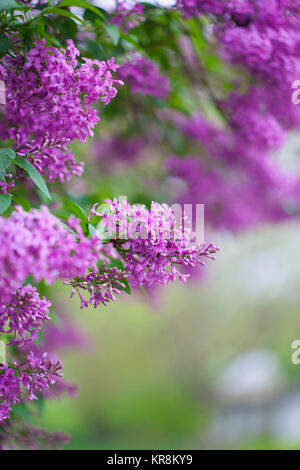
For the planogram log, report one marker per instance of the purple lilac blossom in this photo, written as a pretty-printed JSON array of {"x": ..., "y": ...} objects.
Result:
[
  {"x": 143, "y": 76},
  {"x": 36, "y": 243},
  {"x": 233, "y": 201},
  {"x": 51, "y": 94},
  {"x": 151, "y": 244},
  {"x": 26, "y": 380},
  {"x": 23, "y": 315}
]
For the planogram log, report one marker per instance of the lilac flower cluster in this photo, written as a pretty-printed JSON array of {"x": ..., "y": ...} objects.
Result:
[
  {"x": 26, "y": 380},
  {"x": 38, "y": 373},
  {"x": 10, "y": 388},
  {"x": 150, "y": 242},
  {"x": 264, "y": 37},
  {"x": 143, "y": 76},
  {"x": 243, "y": 185},
  {"x": 233, "y": 199},
  {"x": 23, "y": 315},
  {"x": 36, "y": 243},
  {"x": 51, "y": 94},
  {"x": 236, "y": 177}
]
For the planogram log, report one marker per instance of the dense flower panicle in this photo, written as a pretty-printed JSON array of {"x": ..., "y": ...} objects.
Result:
[
  {"x": 36, "y": 243},
  {"x": 150, "y": 243},
  {"x": 264, "y": 38},
  {"x": 237, "y": 148},
  {"x": 235, "y": 174},
  {"x": 143, "y": 76},
  {"x": 52, "y": 94},
  {"x": 24, "y": 381},
  {"x": 251, "y": 129},
  {"x": 38, "y": 373},
  {"x": 234, "y": 201},
  {"x": 101, "y": 286},
  {"x": 23, "y": 315},
  {"x": 4, "y": 411},
  {"x": 61, "y": 161},
  {"x": 127, "y": 15},
  {"x": 61, "y": 335}
]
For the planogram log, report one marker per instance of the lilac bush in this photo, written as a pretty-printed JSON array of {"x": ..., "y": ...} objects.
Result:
[{"x": 194, "y": 101}]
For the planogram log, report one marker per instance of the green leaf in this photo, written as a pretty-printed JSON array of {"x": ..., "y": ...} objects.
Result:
[
  {"x": 81, "y": 4},
  {"x": 21, "y": 410},
  {"x": 60, "y": 12},
  {"x": 22, "y": 201},
  {"x": 62, "y": 214},
  {"x": 8, "y": 151},
  {"x": 6, "y": 4},
  {"x": 130, "y": 39},
  {"x": 4, "y": 44},
  {"x": 94, "y": 48},
  {"x": 5, "y": 202},
  {"x": 75, "y": 209},
  {"x": 115, "y": 262},
  {"x": 113, "y": 32},
  {"x": 6, "y": 157},
  {"x": 127, "y": 286},
  {"x": 34, "y": 174},
  {"x": 52, "y": 40},
  {"x": 50, "y": 23}
]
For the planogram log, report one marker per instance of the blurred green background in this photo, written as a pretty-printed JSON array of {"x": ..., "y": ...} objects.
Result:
[{"x": 206, "y": 365}]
